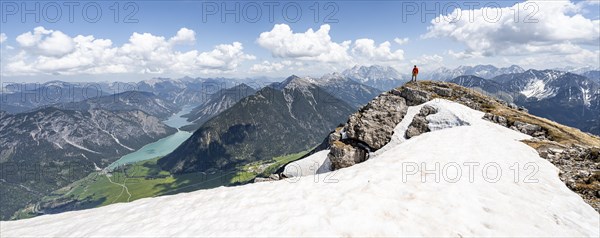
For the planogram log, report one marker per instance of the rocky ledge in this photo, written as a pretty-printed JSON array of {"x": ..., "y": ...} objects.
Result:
[{"x": 371, "y": 127}]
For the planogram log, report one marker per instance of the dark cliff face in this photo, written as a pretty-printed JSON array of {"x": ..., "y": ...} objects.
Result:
[{"x": 283, "y": 118}]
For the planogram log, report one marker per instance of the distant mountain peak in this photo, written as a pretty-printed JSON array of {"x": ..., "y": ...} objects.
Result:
[
  {"x": 295, "y": 82},
  {"x": 381, "y": 77},
  {"x": 332, "y": 76},
  {"x": 486, "y": 71},
  {"x": 242, "y": 85}
]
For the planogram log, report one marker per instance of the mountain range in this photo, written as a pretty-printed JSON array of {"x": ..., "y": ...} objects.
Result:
[
  {"x": 22, "y": 97},
  {"x": 348, "y": 90},
  {"x": 217, "y": 103},
  {"x": 483, "y": 71},
  {"x": 126, "y": 101},
  {"x": 68, "y": 145},
  {"x": 567, "y": 98},
  {"x": 381, "y": 77},
  {"x": 286, "y": 117}
]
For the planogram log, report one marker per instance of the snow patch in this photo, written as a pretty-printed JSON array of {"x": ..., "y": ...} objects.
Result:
[
  {"x": 535, "y": 88},
  {"x": 449, "y": 114},
  {"x": 587, "y": 97},
  {"x": 373, "y": 198},
  {"x": 316, "y": 163},
  {"x": 79, "y": 146}
]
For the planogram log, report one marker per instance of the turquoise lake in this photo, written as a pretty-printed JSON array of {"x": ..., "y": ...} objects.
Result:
[{"x": 160, "y": 147}]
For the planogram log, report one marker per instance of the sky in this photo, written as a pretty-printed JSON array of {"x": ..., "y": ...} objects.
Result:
[{"x": 136, "y": 40}]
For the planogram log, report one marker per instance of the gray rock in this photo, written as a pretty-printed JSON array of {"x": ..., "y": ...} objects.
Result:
[
  {"x": 374, "y": 124},
  {"x": 444, "y": 92},
  {"x": 523, "y": 109},
  {"x": 427, "y": 110},
  {"x": 413, "y": 96},
  {"x": 576, "y": 167},
  {"x": 500, "y": 120},
  {"x": 342, "y": 155},
  {"x": 335, "y": 135},
  {"x": 369, "y": 129},
  {"x": 529, "y": 129},
  {"x": 274, "y": 177},
  {"x": 419, "y": 125}
]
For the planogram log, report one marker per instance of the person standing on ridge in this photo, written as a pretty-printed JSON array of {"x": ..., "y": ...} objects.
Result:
[{"x": 414, "y": 74}]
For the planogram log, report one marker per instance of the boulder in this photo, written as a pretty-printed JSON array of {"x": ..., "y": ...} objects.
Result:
[
  {"x": 335, "y": 135},
  {"x": 420, "y": 125},
  {"x": 500, "y": 120},
  {"x": 444, "y": 92},
  {"x": 529, "y": 129},
  {"x": 274, "y": 177},
  {"x": 523, "y": 109},
  {"x": 344, "y": 155},
  {"x": 374, "y": 124},
  {"x": 413, "y": 96}
]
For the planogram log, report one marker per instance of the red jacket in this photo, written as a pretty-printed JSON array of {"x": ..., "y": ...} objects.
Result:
[{"x": 415, "y": 70}]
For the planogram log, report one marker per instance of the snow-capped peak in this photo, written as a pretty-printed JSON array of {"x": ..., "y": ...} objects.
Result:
[
  {"x": 483, "y": 71},
  {"x": 536, "y": 83},
  {"x": 153, "y": 81},
  {"x": 373, "y": 72}
]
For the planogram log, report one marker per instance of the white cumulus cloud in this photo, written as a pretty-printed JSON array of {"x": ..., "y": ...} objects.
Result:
[
  {"x": 53, "y": 52},
  {"x": 184, "y": 36},
  {"x": 366, "y": 49},
  {"x": 316, "y": 47},
  {"x": 401, "y": 41},
  {"x": 267, "y": 67},
  {"x": 430, "y": 61},
  {"x": 46, "y": 42},
  {"x": 282, "y": 42},
  {"x": 529, "y": 27}
]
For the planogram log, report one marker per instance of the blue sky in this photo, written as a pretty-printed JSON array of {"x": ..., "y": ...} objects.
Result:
[{"x": 558, "y": 34}]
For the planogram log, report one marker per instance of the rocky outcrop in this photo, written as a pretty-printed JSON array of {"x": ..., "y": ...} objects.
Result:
[
  {"x": 419, "y": 125},
  {"x": 374, "y": 124},
  {"x": 578, "y": 167},
  {"x": 443, "y": 91},
  {"x": 344, "y": 155},
  {"x": 412, "y": 96},
  {"x": 500, "y": 120},
  {"x": 529, "y": 129},
  {"x": 367, "y": 130},
  {"x": 523, "y": 127}
]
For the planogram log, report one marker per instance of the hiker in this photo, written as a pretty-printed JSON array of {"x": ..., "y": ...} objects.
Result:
[{"x": 414, "y": 74}]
